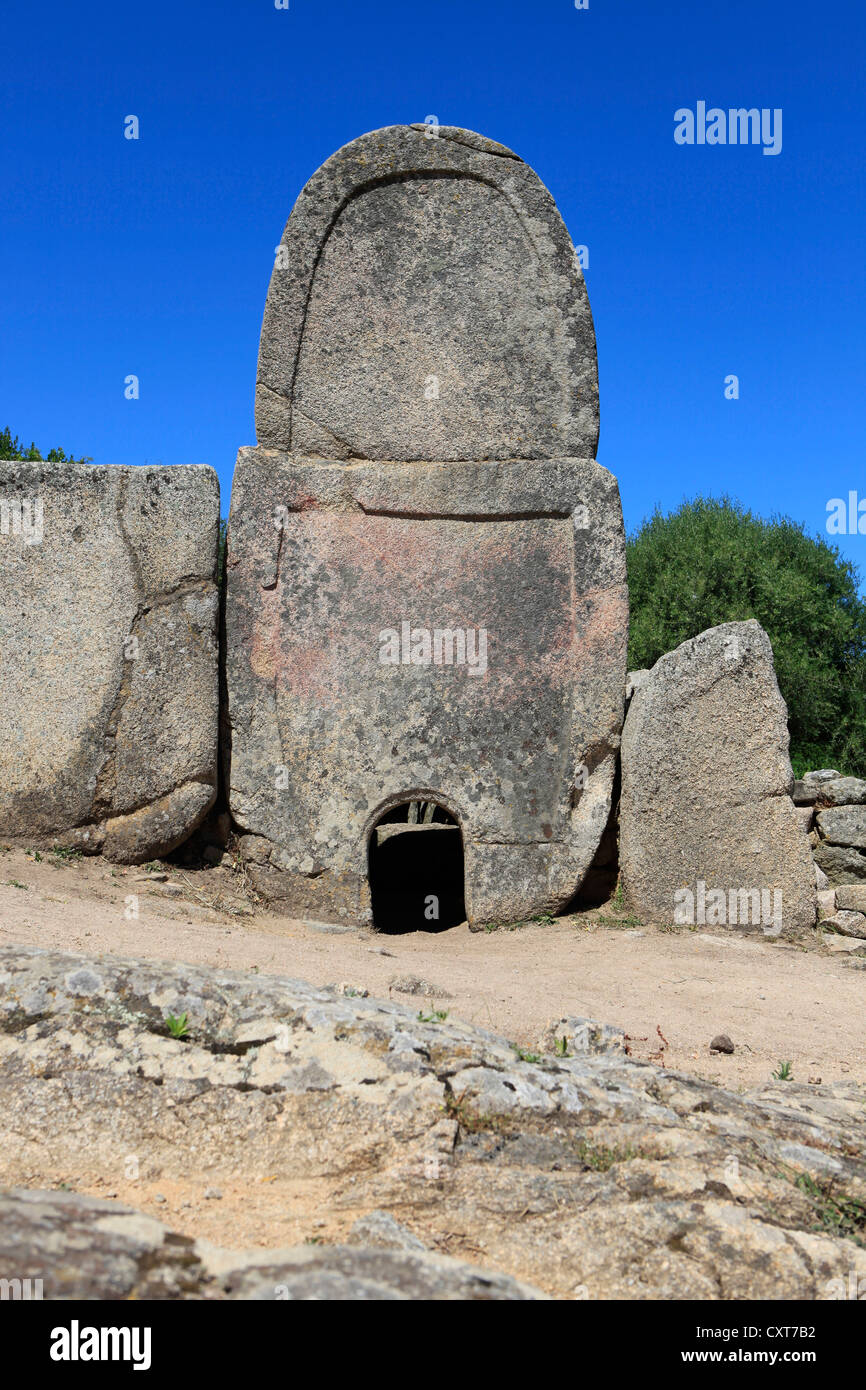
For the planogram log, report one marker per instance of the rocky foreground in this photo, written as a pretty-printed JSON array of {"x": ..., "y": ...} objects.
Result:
[{"x": 578, "y": 1174}]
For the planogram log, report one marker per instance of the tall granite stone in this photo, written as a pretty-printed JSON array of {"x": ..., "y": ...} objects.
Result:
[
  {"x": 108, "y": 655},
  {"x": 426, "y": 570},
  {"x": 709, "y": 835}
]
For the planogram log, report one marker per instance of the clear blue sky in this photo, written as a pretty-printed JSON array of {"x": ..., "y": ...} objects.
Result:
[{"x": 153, "y": 257}]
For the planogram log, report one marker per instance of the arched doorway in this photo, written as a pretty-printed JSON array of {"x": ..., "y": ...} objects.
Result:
[{"x": 415, "y": 866}]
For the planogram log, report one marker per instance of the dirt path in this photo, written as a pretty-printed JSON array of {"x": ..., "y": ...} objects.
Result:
[{"x": 776, "y": 1001}]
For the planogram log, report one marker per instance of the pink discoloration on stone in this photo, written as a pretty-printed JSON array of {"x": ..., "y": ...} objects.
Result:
[
  {"x": 504, "y": 748},
  {"x": 265, "y": 649},
  {"x": 355, "y": 575}
]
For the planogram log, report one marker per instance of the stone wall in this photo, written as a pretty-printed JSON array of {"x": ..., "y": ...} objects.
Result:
[{"x": 833, "y": 811}]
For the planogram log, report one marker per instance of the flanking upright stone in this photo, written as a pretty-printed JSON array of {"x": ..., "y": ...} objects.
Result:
[
  {"x": 426, "y": 566},
  {"x": 709, "y": 835},
  {"x": 108, "y": 655}
]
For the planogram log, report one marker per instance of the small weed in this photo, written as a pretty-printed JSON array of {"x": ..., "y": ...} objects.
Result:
[
  {"x": 600, "y": 1158},
  {"x": 67, "y": 854},
  {"x": 784, "y": 1072},
  {"x": 34, "y": 854},
  {"x": 629, "y": 921},
  {"x": 618, "y": 898},
  {"x": 314, "y": 1240},
  {"x": 525, "y": 1056},
  {"x": 13, "y": 883},
  {"x": 544, "y": 919},
  {"x": 177, "y": 1027},
  {"x": 436, "y": 1016},
  {"x": 839, "y": 1216},
  {"x": 561, "y": 1047}
]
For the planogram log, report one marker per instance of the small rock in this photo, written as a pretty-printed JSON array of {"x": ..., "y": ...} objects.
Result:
[
  {"x": 822, "y": 882},
  {"x": 633, "y": 682},
  {"x": 844, "y": 791},
  {"x": 721, "y": 1043},
  {"x": 413, "y": 984},
  {"x": 213, "y": 854},
  {"x": 852, "y": 896},
  {"x": 379, "y": 1229},
  {"x": 844, "y": 825},
  {"x": 254, "y": 849},
  {"x": 353, "y": 991},
  {"x": 213, "y": 1194},
  {"x": 150, "y": 878},
  {"x": 158, "y": 1197},
  {"x": 804, "y": 793},
  {"x": 582, "y": 1035},
  {"x": 822, "y": 774},
  {"x": 847, "y": 924},
  {"x": 826, "y": 903},
  {"x": 171, "y": 890},
  {"x": 845, "y": 944}
]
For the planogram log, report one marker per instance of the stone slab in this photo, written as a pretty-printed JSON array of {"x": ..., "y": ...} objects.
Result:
[
  {"x": 426, "y": 303},
  {"x": 326, "y": 738},
  {"x": 108, "y": 656},
  {"x": 706, "y": 783}
]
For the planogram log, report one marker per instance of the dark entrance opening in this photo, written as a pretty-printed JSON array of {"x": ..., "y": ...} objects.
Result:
[{"x": 416, "y": 869}]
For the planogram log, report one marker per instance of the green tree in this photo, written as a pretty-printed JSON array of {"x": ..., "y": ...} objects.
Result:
[
  {"x": 713, "y": 562},
  {"x": 11, "y": 447}
]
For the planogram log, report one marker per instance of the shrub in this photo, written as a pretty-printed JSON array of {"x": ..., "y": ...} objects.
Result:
[{"x": 713, "y": 562}]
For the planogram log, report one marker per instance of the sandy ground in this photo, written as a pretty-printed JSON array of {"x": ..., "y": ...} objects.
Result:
[{"x": 776, "y": 1001}]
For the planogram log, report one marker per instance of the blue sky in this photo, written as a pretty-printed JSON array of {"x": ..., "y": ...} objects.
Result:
[{"x": 153, "y": 256}]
